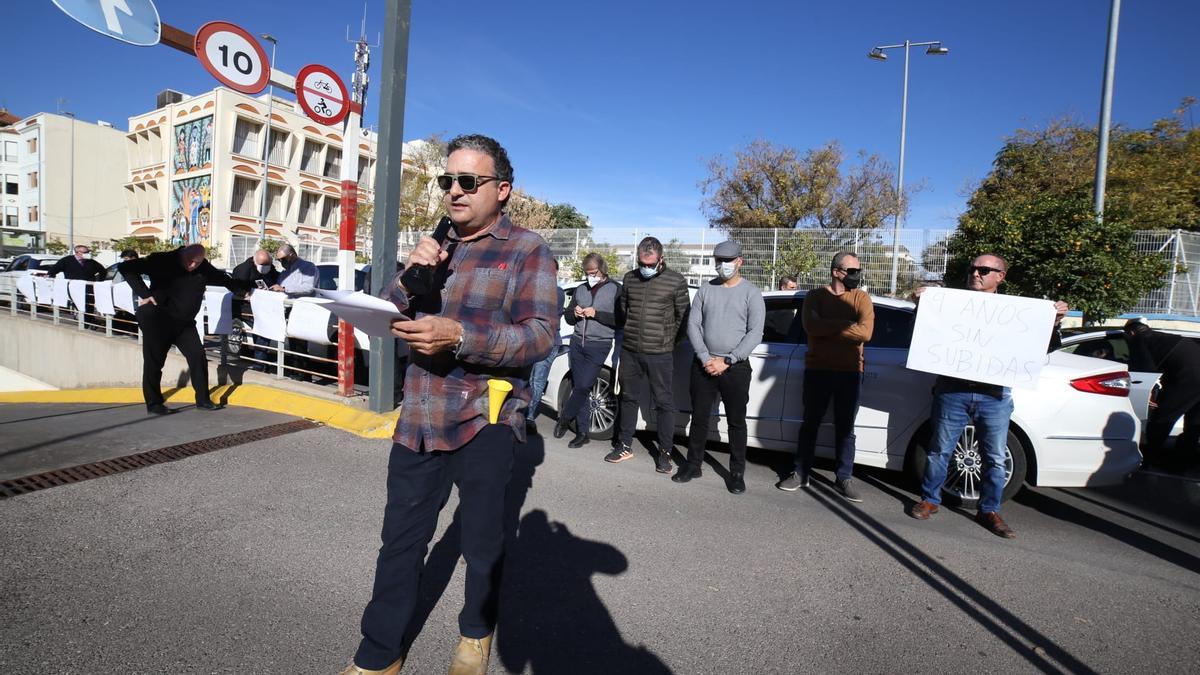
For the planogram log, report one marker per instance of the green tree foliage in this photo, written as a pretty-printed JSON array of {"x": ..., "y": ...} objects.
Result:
[
  {"x": 566, "y": 217},
  {"x": 781, "y": 187},
  {"x": 575, "y": 266},
  {"x": 528, "y": 212},
  {"x": 1057, "y": 250},
  {"x": 143, "y": 245},
  {"x": 794, "y": 257},
  {"x": 1154, "y": 172},
  {"x": 57, "y": 246},
  {"x": 421, "y": 204}
]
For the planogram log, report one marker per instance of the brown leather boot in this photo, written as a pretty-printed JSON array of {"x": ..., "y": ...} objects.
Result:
[
  {"x": 994, "y": 524},
  {"x": 922, "y": 510},
  {"x": 471, "y": 656},
  {"x": 390, "y": 670}
]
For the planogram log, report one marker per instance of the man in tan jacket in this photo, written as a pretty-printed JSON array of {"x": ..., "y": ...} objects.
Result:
[{"x": 839, "y": 319}]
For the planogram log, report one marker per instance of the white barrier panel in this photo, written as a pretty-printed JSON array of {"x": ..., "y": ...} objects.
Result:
[
  {"x": 372, "y": 315},
  {"x": 122, "y": 296},
  {"x": 310, "y": 321},
  {"x": 44, "y": 290},
  {"x": 267, "y": 307},
  {"x": 983, "y": 337},
  {"x": 59, "y": 291},
  {"x": 104, "y": 298},
  {"x": 77, "y": 288},
  {"x": 25, "y": 285},
  {"x": 218, "y": 304}
]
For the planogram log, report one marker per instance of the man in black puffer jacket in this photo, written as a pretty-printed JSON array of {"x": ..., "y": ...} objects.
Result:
[{"x": 653, "y": 306}]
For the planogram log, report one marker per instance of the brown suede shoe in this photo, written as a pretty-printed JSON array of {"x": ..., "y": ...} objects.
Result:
[
  {"x": 994, "y": 524},
  {"x": 922, "y": 510},
  {"x": 471, "y": 656},
  {"x": 390, "y": 670}
]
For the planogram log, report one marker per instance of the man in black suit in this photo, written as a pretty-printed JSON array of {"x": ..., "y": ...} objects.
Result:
[
  {"x": 166, "y": 314},
  {"x": 78, "y": 266}
]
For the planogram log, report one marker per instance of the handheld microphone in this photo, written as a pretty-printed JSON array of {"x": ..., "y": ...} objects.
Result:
[{"x": 418, "y": 279}]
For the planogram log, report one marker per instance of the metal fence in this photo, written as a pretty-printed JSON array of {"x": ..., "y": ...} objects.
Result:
[{"x": 771, "y": 253}]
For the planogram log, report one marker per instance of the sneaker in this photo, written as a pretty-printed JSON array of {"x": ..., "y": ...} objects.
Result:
[
  {"x": 662, "y": 463},
  {"x": 849, "y": 492},
  {"x": 619, "y": 454},
  {"x": 793, "y": 482}
]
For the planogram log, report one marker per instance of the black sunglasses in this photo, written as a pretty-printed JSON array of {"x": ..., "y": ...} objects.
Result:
[
  {"x": 983, "y": 270},
  {"x": 469, "y": 182},
  {"x": 850, "y": 270}
]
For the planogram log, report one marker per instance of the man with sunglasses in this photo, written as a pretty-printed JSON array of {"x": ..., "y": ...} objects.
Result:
[
  {"x": 486, "y": 313},
  {"x": 957, "y": 403},
  {"x": 839, "y": 319}
]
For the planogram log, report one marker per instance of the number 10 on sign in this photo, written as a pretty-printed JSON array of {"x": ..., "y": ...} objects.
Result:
[{"x": 232, "y": 56}]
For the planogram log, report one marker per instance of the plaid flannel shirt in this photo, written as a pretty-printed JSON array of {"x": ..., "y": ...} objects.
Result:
[{"x": 502, "y": 288}]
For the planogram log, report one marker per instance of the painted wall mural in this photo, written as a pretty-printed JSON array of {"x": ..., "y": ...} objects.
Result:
[
  {"x": 193, "y": 145},
  {"x": 191, "y": 211}
]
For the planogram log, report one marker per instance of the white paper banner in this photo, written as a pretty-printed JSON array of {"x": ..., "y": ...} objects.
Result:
[
  {"x": 44, "y": 290},
  {"x": 218, "y": 303},
  {"x": 25, "y": 285},
  {"x": 104, "y": 298},
  {"x": 310, "y": 321},
  {"x": 372, "y": 315},
  {"x": 122, "y": 296},
  {"x": 77, "y": 288},
  {"x": 200, "y": 322},
  {"x": 982, "y": 337},
  {"x": 60, "y": 291},
  {"x": 267, "y": 307}
]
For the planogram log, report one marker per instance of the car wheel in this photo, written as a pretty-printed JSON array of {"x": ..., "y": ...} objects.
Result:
[
  {"x": 602, "y": 404},
  {"x": 964, "y": 471}
]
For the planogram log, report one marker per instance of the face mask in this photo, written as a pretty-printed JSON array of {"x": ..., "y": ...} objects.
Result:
[
  {"x": 285, "y": 262},
  {"x": 593, "y": 279},
  {"x": 263, "y": 269},
  {"x": 726, "y": 270},
  {"x": 647, "y": 272},
  {"x": 85, "y": 256},
  {"x": 851, "y": 281}
]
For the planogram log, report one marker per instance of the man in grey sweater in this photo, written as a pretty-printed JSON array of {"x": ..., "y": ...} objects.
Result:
[{"x": 725, "y": 324}]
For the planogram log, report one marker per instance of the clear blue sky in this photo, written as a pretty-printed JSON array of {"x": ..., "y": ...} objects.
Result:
[{"x": 615, "y": 106}]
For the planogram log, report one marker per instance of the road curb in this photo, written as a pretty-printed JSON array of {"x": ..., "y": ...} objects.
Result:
[{"x": 346, "y": 418}]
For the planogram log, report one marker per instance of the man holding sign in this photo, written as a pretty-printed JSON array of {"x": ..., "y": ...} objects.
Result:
[{"x": 969, "y": 341}]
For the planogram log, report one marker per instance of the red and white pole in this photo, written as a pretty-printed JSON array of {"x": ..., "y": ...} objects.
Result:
[{"x": 347, "y": 244}]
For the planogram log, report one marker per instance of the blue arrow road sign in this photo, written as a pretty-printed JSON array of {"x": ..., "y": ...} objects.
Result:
[{"x": 132, "y": 21}]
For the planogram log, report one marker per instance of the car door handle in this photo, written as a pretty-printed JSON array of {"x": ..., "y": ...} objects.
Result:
[
  {"x": 765, "y": 356},
  {"x": 1135, "y": 381}
]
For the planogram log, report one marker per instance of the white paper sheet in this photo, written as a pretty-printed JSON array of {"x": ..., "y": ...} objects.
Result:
[
  {"x": 982, "y": 337},
  {"x": 371, "y": 315},
  {"x": 77, "y": 288},
  {"x": 218, "y": 304},
  {"x": 310, "y": 320},
  {"x": 122, "y": 296},
  {"x": 43, "y": 290},
  {"x": 267, "y": 307},
  {"x": 25, "y": 285},
  {"x": 104, "y": 298},
  {"x": 60, "y": 292}
]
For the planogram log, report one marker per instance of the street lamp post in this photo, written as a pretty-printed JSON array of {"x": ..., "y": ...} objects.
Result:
[
  {"x": 262, "y": 216},
  {"x": 1110, "y": 63},
  {"x": 71, "y": 189},
  {"x": 934, "y": 48}
]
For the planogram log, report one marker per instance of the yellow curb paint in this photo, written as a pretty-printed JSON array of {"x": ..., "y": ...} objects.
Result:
[{"x": 362, "y": 423}]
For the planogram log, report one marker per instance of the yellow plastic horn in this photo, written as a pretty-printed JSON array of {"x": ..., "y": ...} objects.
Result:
[{"x": 498, "y": 390}]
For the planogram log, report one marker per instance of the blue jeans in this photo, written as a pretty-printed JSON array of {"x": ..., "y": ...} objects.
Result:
[
  {"x": 537, "y": 382},
  {"x": 952, "y": 412}
]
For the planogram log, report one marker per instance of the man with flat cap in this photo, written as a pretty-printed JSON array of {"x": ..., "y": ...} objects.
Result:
[
  {"x": 166, "y": 314},
  {"x": 724, "y": 325}
]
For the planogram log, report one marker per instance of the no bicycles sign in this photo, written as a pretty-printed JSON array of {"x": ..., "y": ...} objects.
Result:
[
  {"x": 233, "y": 56},
  {"x": 321, "y": 94}
]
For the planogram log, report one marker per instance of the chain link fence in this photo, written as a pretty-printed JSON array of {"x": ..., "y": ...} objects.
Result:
[{"x": 920, "y": 257}]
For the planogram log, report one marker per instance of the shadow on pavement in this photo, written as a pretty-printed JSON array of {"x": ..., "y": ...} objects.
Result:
[
  {"x": 67, "y": 414},
  {"x": 88, "y": 432},
  {"x": 1025, "y": 640}
]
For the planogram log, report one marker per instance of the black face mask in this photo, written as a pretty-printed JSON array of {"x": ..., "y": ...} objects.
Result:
[
  {"x": 286, "y": 262},
  {"x": 851, "y": 281}
]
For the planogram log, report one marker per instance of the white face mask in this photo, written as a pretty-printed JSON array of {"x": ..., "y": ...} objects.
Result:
[
  {"x": 726, "y": 270},
  {"x": 647, "y": 272},
  {"x": 593, "y": 279},
  {"x": 85, "y": 256},
  {"x": 263, "y": 269}
]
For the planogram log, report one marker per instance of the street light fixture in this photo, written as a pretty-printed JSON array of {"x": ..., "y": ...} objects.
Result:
[
  {"x": 262, "y": 216},
  {"x": 934, "y": 48}
]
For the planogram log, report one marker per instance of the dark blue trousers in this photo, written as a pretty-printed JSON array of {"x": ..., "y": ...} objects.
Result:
[
  {"x": 586, "y": 359},
  {"x": 418, "y": 485},
  {"x": 821, "y": 387}
]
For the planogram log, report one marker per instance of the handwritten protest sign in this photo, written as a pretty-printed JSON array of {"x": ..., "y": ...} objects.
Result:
[{"x": 983, "y": 337}]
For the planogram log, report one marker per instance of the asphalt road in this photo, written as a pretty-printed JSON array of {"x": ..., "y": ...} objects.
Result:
[{"x": 259, "y": 559}]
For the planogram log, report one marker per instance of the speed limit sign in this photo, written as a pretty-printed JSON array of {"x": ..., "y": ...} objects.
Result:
[{"x": 233, "y": 56}]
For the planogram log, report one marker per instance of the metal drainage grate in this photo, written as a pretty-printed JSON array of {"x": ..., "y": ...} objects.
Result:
[{"x": 108, "y": 467}]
